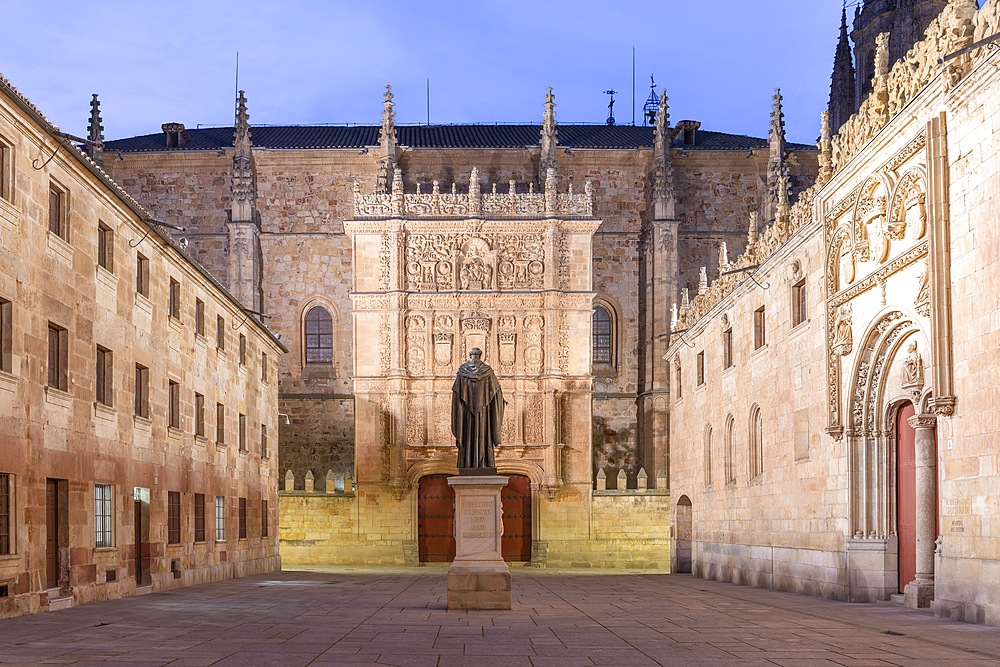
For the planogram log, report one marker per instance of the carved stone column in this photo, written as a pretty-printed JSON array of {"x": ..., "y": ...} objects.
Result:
[{"x": 920, "y": 591}]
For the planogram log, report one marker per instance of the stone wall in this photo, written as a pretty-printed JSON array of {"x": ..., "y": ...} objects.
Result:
[{"x": 65, "y": 434}]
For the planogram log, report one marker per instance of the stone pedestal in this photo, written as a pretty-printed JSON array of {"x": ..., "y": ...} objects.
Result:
[{"x": 478, "y": 578}]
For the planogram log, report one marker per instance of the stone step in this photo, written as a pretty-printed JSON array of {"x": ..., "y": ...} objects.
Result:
[
  {"x": 57, "y": 601},
  {"x": 144, "y": 590},
  {"x": 896, "y": 599}
]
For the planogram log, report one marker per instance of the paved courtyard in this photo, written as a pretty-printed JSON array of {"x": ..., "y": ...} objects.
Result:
[{"x": 354, "y": 616}]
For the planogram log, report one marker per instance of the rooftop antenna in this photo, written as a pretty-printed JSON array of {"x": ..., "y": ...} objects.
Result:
[
  {"x": 236, "y": 97},
  {"x": 652, "y": 105},
  {"x": 633, "y": 86},
  {"x": 428, "y": 100},
  {"x": 611, "y": 106}
]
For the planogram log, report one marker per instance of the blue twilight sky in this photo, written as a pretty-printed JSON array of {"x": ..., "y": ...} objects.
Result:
[{"x": 306, "y": 62}]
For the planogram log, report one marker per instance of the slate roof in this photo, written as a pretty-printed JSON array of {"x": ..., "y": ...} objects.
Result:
[{"x": 436, "y": 136}]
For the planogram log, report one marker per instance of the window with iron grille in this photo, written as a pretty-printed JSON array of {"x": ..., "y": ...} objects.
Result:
[
  {"x": 58, "y": 356},
  {"x": 6, "y": 493},
  {"x": 263, "y": 366},
  {"x": 220, "y": 518},
  {"x": 319, "y": 336},
  {"x": 243, "y": 350},
  {"x": 263, "y": 441},
  {"x": 105, "y": 376},
  {"x": 263, "y": 518},
  {"x": 199, "y": 517},
  {"x": 243, "y": 518},
  {"x": 105, "y": 247},
  {"x": 243, "y": 432},
  {"x": 603, "y": 338},
  {"x": 103, "y": 504},
  {"x": 173, "y": 517}
]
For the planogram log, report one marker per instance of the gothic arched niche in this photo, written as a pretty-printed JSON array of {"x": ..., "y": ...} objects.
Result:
[
  {"x": 907, "y": 209},
  {"x": 871, "y": 240},
  {"x": 840, "y": 261}
]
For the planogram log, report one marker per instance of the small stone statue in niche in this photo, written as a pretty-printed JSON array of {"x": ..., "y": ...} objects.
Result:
[
  {"x": 913, "y": 367},
  {"x": 843, "y": 339},
  {"x": 476, "y": 415}
]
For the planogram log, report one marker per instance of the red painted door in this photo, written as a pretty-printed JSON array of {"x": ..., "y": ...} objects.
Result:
[
  {"x": 436, "y": 519},
  {"x": 516, "y": 498},
  {"x": 906, "y": 496}
]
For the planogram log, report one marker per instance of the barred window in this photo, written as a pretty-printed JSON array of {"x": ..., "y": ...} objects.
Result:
[
  {"x": 603, "y": 337},
  {"x": 102, "y": 515},
  {"x": 199, "y": 517},
  {"x": 319, "y": 336},
  {"x": 5, "y": 511},
  {"x": 173, "y": 517},
  {"x": 243, "y": 518},
  {"x": 220, "y": 518},
  {"x": 263, "y": 519}
]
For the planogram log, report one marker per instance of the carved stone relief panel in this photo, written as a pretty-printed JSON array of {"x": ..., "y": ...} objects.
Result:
[
  {"x": 443, "y": 344},
  {"x": 415, "y": 420},
  {"x": 476, "y": 333},
  {"x": 534, "y": 355},
  {"x": 533, "y": 418},
  {"x": 416, "y": 344}
]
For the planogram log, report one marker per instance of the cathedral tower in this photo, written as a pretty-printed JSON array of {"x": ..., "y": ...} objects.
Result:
[{"x": 904, "y": 20}]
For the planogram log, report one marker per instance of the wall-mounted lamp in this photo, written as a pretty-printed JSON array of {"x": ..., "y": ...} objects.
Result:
[{"x": 285, "y": 415}]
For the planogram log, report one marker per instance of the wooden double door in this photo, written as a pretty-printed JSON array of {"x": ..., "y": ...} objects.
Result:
[{"x": 436, "y": 519}]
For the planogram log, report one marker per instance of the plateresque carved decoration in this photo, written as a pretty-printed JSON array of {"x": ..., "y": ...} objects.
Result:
[
  {"x": 913, "y": 372},
  {"x": 843, "y": 338}
]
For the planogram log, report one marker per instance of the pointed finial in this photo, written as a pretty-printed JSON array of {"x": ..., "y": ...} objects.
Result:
[
  {"x": 825, "y": 146},
  {"x": 685, "y": 300},
  {"x": 549, "y": 138},
  {"x": 777, "y": 133},
  {"x": 95, "y": 132},
  {"x": 702, "y": 281},
  {"x": 241, "y": 137},
  {"x": 387, "y": 132},
  {"x": 752, "y": 231},
  {"x": 723, "y": 258},
  {"x": 673, "y": 316}
]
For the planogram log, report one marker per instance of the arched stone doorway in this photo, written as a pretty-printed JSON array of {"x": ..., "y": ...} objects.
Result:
[
  {"x": 436, "y": 519},
  {"x": 683, "y": 531}
]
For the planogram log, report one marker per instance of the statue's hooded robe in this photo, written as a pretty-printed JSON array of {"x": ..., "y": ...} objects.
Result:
[{"x": 476, "y": 415}]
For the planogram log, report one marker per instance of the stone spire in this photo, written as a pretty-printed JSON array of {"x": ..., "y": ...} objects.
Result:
[
  {"x": 663, "y": 170},
  {"x": 244, "y": 175},
  {"x": 95, "y": 132},
  {"x": 777, "y": 177},
  {"x": 245, "y": 269},
  {"x": 842, "y": 85},
  {"x": 549, "y": 139},
  {"x": 387, "y": 144}
]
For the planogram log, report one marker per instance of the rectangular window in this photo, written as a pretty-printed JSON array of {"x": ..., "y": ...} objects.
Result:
[
  {"x": 6, "y": 336},
  {"x": 6, "y": 171},
  {"x": 6, "y": 494},
  {"x": 199, "y": 517},
  {"x": 102, "y": 516},
  {"x": 799, "y": 303},
  {"x": 220, "y": 333},
  {"x": 263, "y": 518},
  {"x": 175, "y": 299},
  {"x": 759, "y": 333},
  {"x": 57, "y": 212},
  {"x": 263, "y": 441},
  {"x": 199, "y": 317},
  {"x": 173, "y": 517},
  {"x": 263, "y": 366},
  {"x": 142, "y": 274},
  {"x": 243, "y": 350},
  {"x": 243, "y": 432},
  {"x": 58, "y": 356},
  {"x": 727, "y": 348},
  {"x": 243, "y": 518},
  {"x": 174, "y": 407},
  {"x": 141, "y": 391},
  {"x": 199, "y": 415},
  {"x": 701, "y": 368},
  {"x": 220, "y": 518},
  {"x": 677, "y": 379},
  {"x": 220, "y": 424},
  {"x": 105, "y": 375},
  {"x": 105, "y": 247}
]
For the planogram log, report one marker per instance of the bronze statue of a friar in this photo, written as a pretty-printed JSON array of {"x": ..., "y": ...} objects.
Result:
[{"x": 476, "y": 415}]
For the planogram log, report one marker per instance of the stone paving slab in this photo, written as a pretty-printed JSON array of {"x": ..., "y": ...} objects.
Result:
[{"x": 359, "y": 616}]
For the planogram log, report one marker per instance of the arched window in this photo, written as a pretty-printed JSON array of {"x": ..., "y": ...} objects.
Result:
[
  {"x": 730, "y": 450},
  {"x": 319, "y": 336},
  {"x": 756, "y": 442},
  {"x": 603, "y": 336}
]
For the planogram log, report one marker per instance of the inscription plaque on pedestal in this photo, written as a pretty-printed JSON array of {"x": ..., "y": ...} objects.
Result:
[{"x": 478, "y": 578}]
